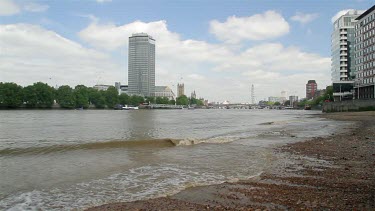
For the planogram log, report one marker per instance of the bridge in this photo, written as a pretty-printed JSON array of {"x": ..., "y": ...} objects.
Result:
[{"x": 163, "y": 106}]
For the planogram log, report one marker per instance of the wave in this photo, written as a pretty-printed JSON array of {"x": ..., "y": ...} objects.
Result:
[
  {"x": 152, "y": 143},
  {"x": 214, "y": 140}
]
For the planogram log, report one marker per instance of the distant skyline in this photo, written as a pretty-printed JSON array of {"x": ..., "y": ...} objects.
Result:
[{"x": 218, "y": 48}]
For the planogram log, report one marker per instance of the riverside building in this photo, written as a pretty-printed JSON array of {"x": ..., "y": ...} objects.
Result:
[
  {"x": 180, "y": 90},
  {"x": 365, "y": 55},
  {"x": 311, "y": 88},
  {"x": 342, "y": 47},
  {"x": 141, "y": 65},
  {"x": 164, "y": 91}
]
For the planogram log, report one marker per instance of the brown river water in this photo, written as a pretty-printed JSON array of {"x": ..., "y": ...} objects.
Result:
[{"x": 66, "y": 159}]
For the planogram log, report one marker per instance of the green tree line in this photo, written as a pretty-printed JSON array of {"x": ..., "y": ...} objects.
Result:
[{"x": 41, "y": 95}]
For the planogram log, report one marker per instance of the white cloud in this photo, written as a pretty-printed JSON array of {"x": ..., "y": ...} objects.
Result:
[
  {"x": 304, "y": 18},
  {"x": 216, "y": 71},
  {"x": 257, "y": 27},
  {"x": 8, "y": 7},
  {"x": 30, "y": 53},
  {"x": 343, "y": 12}
]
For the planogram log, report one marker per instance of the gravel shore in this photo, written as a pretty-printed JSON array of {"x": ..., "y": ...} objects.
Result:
[{"x": 330, "y": 173}]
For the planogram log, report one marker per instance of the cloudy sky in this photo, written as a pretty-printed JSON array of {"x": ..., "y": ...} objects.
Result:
[{"x": 217, "y": 48}]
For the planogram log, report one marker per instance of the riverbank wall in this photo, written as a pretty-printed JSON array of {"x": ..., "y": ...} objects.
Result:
[{"x": 350, "y": 105}]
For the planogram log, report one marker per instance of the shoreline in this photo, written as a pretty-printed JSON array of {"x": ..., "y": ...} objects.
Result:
[{"x": 334, "y": 172}]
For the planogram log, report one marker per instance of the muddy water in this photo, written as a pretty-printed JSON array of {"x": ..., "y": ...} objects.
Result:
[{"x": 76, "y": 159}]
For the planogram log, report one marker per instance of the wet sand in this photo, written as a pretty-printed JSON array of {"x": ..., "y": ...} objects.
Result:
[{"x": 331, "y": 173}]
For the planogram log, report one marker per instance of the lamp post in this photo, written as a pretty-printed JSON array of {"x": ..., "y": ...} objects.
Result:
[
  {"x": 358, "y": 90},
  {"x": 340, "y": 93}
]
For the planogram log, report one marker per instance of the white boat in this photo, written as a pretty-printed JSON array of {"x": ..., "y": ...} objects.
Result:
[{"x": 126, "y": 107}]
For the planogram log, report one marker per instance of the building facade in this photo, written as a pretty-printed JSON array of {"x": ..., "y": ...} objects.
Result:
[
  {"x": 342, "y": 47},
  {"x": 274, "y": 99},
  {"x": 141, "y": 65},
  {"x": 365, "y": 55},
  {"x": 311, "y": 88},
  {"x": 193, "y": 95},
  {"x": 101, "y": 87},
  {"x": 293, "y": 101},
  {"x": 164, "y": 91},
  {"x": 180, "y": 90}
]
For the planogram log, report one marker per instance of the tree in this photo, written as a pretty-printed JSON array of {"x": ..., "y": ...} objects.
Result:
[
  {"x": 172, "y": 102},
  {"x": 302, "y": 103},
  {"x": 270, "y": 103},
  {"x": 81, "y": 94},
  {"x": 162, "y": 100},
  {"x": 136, "y": 100},
  {"x": 10, "y": 95},
  {"x": 111, "y": 96},
  {"x": 194, "y": 101},
  {"x": 150, "y": 99},
  {"x": 65, "y": 97},
  {"x": 39, "y": 95},
  {"x": 276, "y": 103},
  {"x": 328, "y": 95},
  {"x": 287, "y": 103},
  {"x": 97, "y": 98},
  {"x": 124, "y": 99},
  {"x": 182, "y": 100}
]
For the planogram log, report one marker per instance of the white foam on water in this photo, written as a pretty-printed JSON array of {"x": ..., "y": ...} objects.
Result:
[
  {"x": 214, "y": 140},
  {"x": 136, "y": 184}
]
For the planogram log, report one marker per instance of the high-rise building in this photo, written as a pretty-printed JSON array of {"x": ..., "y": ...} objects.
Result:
[
  {"x": 365, "y": 55},
  {"x": 342, "y": 47},
  {"x": 311, "y": 88},
  {"x": 141, "y": 65},
  {"x": 180, "y": 90}
]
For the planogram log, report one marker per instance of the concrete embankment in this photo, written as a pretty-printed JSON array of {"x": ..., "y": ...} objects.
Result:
[{"x": 350, "y": 105}]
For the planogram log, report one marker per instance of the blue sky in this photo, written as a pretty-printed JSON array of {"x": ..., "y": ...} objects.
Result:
[{"x": 218, "y": 48}]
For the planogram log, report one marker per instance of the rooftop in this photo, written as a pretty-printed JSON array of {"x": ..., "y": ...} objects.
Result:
[
  {"x": 141, "y": 34},
  {"x": 366, "y": 13}
]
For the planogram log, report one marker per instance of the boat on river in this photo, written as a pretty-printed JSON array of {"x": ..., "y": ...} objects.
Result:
[
  {"x": 126, "y": 107},
  {"x": 307, "y": 107}
]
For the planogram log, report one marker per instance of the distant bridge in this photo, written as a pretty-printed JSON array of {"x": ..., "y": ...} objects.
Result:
[
  {"x": 164, "y": 106},
  {"x": 232, "y": 106}
]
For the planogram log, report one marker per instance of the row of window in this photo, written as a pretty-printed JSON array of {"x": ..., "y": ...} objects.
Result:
[
  {"x": 365, "y": 74},
  {"x": 368, "y": 34},
  {"x": 367, "y": 81},
  {"x": 365, "y": 66},
  {"x": 363, "y": 29},
  {"x": 365, "y": 43},
  {"x": 368, "y": 19},
  {"x": 365, "y": 59},
  {"x": 369, "y": 52}
]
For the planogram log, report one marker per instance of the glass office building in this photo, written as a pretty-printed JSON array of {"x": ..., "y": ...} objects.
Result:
[
  {"x": 342, "y": 47},
  {"x": 141, "y": 65}
]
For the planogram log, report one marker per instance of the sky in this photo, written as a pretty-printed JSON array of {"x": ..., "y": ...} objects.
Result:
[{"x": 217, "y": 48}]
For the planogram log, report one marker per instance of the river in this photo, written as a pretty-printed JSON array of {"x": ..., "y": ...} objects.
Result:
[{"x": 66, "y": 159}]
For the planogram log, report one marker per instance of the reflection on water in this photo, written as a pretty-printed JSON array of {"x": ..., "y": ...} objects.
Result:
[{"x": 74, "y": 159}]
